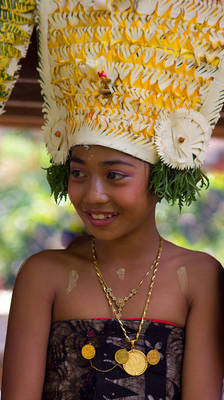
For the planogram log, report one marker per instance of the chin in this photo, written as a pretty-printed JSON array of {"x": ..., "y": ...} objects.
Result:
[
  {"x": 107, "y": 236},
  {"x": 110, "y": 234}
]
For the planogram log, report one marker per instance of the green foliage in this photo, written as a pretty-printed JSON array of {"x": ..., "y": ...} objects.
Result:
[
  {"x": 57, "y": 176},
  {"x": 177, "y": 186}
]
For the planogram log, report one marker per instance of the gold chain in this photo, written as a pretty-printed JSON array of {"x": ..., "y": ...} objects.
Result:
[
  {"x": 119, "y": 302},
  {"x": 152, "y": 281},
  {"x": 105, "y": 370}
]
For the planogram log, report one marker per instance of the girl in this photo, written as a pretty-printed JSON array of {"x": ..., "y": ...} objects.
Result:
[
  {"x": 122, "y": 313},
  {"x": 58, "y": 291}
]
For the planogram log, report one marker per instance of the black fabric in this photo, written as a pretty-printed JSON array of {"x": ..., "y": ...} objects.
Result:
[{"x": 70, "y": 377}]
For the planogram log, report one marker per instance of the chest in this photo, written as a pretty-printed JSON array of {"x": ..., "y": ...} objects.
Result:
[{"x": 81, "y": 296}]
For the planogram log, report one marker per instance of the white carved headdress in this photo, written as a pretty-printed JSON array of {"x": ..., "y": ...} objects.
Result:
[{"x": 143, "y": 77}]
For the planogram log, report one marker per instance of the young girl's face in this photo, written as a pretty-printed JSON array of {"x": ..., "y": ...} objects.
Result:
[{"x": 109, "y": 191}]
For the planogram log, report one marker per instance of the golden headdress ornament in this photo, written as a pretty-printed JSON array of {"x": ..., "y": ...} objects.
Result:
[{"x": 143, "y": 77}]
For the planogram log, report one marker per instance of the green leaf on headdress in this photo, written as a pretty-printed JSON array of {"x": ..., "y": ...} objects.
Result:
[
  {"x": 57, "y": 176},
  {"x": 181, "y": 186}
]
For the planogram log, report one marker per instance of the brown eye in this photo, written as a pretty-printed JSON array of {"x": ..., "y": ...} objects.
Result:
[
  {"x": 115, "y": 176},
  {"x": 77, "y": 173}
]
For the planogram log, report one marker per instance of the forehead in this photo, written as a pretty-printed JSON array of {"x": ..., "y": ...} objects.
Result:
[{"x": 102, "y": 154}]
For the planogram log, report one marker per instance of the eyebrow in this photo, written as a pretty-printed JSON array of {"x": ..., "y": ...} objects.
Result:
[
  {"x": 103, "y": 163},
  {"x": 76, "y": 159},
  {"x": 113, "y": 162}
]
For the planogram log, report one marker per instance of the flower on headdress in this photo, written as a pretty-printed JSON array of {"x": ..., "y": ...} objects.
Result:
[
  {"x": 102, "y": 5},
  {"x": 98, "y": 69},
  {"x": 181, "y": 138}
]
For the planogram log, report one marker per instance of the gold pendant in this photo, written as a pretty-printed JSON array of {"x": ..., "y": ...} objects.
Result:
[
  {"x": 153, "y": 357},
  {"x": 136, "y": 364},
  {"x": 121, "y": 356},
  {"x": 88, "y": 351}
]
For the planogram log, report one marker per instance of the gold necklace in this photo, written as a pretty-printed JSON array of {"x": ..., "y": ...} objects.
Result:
[
  {"x": 134, "y": 362},
  {"x": 118, "y": 302}
]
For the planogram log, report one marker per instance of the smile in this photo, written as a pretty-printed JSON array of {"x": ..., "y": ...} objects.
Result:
[{"x": 101, "y": 218}]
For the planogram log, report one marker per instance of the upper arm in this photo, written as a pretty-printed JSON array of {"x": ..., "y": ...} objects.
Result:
[
  {"x": 28, "y": 330},
  {"x": 203, "y": 360}
]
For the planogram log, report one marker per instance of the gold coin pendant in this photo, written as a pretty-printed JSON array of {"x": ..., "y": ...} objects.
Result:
[
  {"x": 153, "y": 357},
  {"x": 88, "y": 351},
  {"x": 136, "y": 364},
  {"x": 121, "y": 356}
]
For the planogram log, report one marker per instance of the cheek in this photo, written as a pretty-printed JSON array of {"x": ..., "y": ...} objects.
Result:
[
  {"x": 74, "y": 192},
  {"x": 135, "y": 195},
  {"x": 140, "y": 197}
]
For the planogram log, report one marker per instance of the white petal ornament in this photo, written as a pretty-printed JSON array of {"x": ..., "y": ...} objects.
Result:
[
  {"x": 181, "y": 138},
  {"x": 104, "y": 5},
  {"x": 146, "y": 6},
  {"x": 89, "y": 68}
]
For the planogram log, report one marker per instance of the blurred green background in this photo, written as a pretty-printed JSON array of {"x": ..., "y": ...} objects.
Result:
[{"x": 30, "y": 220}]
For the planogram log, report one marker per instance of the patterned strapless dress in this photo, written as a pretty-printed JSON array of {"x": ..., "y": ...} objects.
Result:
[{"x": 70, "y": 377}]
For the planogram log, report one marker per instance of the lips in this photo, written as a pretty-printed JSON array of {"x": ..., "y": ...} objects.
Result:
[{"x": 101, "y": 218}]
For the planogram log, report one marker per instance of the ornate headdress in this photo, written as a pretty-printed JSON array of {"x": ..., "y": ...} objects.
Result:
[{"x": 143, "y": 77}]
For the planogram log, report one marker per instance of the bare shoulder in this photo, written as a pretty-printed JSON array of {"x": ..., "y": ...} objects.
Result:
[
  {"x": 41, "y": 267},
  {"x": 39, "y": 283},
  {"x": 206, "y": 277},
  {"x": 195, "y": 261},
  {"x": 47, "y": 267},
  {"x": 204, "y": 272},
  {"x": 48, "y": 270}
]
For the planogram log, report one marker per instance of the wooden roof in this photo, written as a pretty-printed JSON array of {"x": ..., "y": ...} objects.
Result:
[{"x": 23, "y": 109}]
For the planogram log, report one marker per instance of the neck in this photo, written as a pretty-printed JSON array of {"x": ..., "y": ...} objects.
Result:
[{"x": 136, "y": 248}]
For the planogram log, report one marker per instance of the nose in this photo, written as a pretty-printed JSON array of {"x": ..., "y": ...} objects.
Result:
[{"x": 95, "y": 192}]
